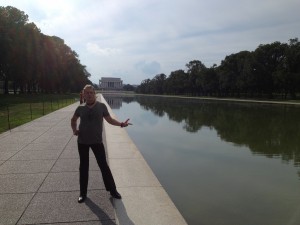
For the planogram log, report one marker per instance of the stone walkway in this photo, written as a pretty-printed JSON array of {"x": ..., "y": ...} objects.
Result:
[
  {"x": 39, "y": 184},
  {"x": 39, "y": 176}
]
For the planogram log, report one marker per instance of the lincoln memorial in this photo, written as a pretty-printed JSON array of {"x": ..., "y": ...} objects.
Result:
[{"x": 110, "y": 83}]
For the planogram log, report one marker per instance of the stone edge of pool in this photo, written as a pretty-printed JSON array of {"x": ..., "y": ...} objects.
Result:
[{"x": 144, "y": 200}]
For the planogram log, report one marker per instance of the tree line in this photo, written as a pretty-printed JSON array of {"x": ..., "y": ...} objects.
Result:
[
  {"x": 31, "y": 62},
  {"x": 266, "y": 131},
  {"x": 271, "y": 70}
]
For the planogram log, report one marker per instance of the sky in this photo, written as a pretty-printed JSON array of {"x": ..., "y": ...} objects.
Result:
[{"x": 137, "y": 39}]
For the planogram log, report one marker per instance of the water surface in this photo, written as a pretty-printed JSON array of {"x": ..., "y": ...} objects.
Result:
[{"x": 220, "y": 162}]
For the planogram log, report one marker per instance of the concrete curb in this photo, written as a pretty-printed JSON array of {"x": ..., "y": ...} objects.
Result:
[{"x": 144, "y": 200}]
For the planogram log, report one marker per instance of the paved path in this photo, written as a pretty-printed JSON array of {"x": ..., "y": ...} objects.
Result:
[{"x": 39, "y": 176}]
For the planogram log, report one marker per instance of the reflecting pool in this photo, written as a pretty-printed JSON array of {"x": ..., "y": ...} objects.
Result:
[{"x": 220, "y": 162}]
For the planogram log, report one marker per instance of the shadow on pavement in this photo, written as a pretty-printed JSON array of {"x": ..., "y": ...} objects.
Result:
[
  {"x": 99, "y": 212},
  {"x": 121, "y": 213}
]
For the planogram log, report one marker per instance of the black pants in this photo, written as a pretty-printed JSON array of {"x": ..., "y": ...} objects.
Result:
[{"x": 99, "y": 152}]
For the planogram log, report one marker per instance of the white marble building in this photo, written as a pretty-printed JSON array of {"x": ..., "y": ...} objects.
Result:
[{"x": 110, "y": 83}]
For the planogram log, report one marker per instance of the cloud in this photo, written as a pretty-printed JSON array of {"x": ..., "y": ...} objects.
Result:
[
  {"x": 137, "y": 39},
  {"x": 148, "y": 68},
  {"x": 95, "y": 49}
]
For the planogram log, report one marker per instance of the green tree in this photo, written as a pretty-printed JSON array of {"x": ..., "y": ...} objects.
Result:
[
  {"x": 144, "y": 87},
  {"x": 228, "y": 73},
  {"x": 158, "y": 83},
  {"x": 209, "y": 82},
  {"x": 195, "y": 68},
  {"x": 12, "y": 22},
  {"x": 268, "y": 58},
  {"x": 288, "y": 74},
  {"x": 177, "y": 83},
  {"x": 35, "y": 62},
  {"x": 128, "y": 87}
]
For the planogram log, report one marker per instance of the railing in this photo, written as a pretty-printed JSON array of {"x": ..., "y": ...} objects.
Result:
[{"x": 13, "y": 115}]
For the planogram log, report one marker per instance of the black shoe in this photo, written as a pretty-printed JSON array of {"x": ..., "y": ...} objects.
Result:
[
  {"x": 81, "y": 199},
  {"x": 115, "y": 194}
]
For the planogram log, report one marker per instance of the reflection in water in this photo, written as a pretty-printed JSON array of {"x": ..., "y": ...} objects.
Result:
[
  {"x": 273, "y": 131},
  {"x": 221, "y": 162},
  {"x": 114, "y": 101}
]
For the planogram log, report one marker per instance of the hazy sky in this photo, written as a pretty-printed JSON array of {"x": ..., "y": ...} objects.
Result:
[{"x": 138, "y": 39}]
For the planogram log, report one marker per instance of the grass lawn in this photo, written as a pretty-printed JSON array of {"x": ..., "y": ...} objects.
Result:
[{"x": 16, "y": 110}]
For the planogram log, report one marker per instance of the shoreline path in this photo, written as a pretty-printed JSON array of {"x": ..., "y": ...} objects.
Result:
[{"x": 39, "y": 178}]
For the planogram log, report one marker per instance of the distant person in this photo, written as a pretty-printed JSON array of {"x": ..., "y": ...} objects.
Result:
[
  {"x": 89, "y": 134},
  {"x": 82, "y": 100}
]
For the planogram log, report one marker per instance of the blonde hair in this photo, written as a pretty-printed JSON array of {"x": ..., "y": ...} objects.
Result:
[{"x": 89, "y": 86}]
